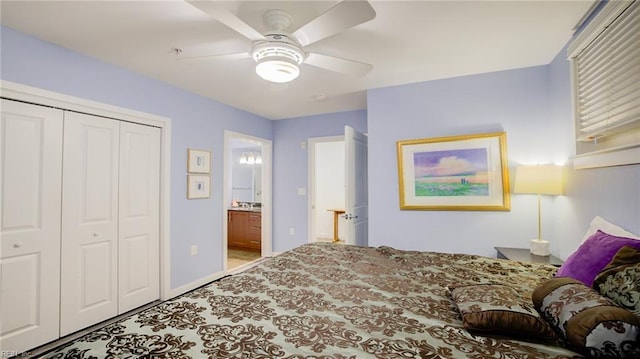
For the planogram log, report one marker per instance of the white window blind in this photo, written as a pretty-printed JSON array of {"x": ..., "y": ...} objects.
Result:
[{"x": 606, "y": 70}]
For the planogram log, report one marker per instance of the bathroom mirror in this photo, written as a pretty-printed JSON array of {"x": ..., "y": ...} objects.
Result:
[{"x": 246, "y": 176}]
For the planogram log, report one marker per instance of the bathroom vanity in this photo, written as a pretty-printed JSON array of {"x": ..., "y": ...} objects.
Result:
[{"x": 244, "y": 229}]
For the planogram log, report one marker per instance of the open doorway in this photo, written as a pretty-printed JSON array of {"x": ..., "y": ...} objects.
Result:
[
  {"x": 247, "y": 200},
  {"x": 327, "y": 189},
  {"x": 338, "y": 185}
]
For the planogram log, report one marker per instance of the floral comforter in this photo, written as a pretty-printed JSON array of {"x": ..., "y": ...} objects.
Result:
[{"x": 325, "y": 301}]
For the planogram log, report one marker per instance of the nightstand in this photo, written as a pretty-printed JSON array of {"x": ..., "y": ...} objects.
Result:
[{"x": 524, "y": 255}]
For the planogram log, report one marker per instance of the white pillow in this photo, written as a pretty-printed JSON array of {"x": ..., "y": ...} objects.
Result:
[{"x": 609, "y": 228}]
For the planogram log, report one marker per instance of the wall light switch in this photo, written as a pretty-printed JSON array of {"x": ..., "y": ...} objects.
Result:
[
  {"x": 194, "y": 250},
  {"x": 291, "y": 231},
  {"x": 302, "y": 191}
]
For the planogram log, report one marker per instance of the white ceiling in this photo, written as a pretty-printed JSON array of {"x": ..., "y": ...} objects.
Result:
[{"x": 407, "y": 42}]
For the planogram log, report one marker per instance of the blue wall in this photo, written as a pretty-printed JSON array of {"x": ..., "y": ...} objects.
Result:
[
  {"x": 533, "y": 105},
  {"x": 290, "y": 170},
  {"x": 196, "y": 122},
  {"x": 513, "y": 101}
]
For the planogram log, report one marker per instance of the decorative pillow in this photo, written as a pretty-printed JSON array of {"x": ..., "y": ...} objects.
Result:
[
  {"x": 497, "y": 308},
  {"x": 593, "y": 255},
  {"x": 620, "y": 279},
  {"x": 589, "y": 322},
  {"x": 599, "y": 223}
]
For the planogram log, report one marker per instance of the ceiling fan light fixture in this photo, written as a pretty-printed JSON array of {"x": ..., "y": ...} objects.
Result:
[
  {"x": 277, "y": 62},
  {"x": 279, "y": 70}
]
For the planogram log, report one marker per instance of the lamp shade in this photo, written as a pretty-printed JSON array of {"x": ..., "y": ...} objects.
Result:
[{"x": 539, "y": 180}]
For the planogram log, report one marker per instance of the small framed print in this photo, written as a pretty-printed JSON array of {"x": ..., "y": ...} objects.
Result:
[
  {"x": 198, "y": 161},
  {"x": 198, "y": 186}
]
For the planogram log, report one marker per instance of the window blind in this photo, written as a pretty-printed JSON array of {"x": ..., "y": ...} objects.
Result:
[{"x": 607, "y": 79}]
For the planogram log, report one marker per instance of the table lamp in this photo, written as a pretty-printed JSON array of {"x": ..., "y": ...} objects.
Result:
[{"x": 539, "y": 180}]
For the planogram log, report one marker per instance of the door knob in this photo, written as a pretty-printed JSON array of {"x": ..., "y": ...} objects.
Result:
[
  {"x": 17, "y": 245},
  {"x": 349, "y": 216}
]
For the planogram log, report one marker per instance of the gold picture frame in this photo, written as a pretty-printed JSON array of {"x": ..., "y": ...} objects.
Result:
[
  {"x": 455, "y": 173},
  {"x": 198, "y": 186},
  {"x": 198, "y": 161}
]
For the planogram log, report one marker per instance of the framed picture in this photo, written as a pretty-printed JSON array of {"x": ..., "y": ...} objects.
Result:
[
  {"x": 198, "y": 161},
  {"x": 198, "y": 186},
  {"x": 457, "y": 173}
]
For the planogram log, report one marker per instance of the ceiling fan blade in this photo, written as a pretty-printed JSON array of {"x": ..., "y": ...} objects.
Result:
[
  {"x": 344, "y": 15},
  {"x": 336, "y": 64},
  {"x": 217, "y": 12},
  {"x": 234, "y": 56}
]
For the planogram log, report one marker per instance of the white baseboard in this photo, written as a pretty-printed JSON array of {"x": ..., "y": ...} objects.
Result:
[{"x": 195, "y": 284}]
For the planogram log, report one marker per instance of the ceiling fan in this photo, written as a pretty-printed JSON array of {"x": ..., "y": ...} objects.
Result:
[{"x": 279, "y": 53}]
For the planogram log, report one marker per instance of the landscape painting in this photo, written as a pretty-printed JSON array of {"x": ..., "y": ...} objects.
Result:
[
  {"x": 466, "y": 172},
  {"x": 451, "y": 173}
]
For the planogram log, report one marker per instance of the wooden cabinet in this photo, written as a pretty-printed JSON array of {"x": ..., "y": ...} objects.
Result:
[
  {"x": 237, "y": 223},
  {"x": 244, "y": 230}
]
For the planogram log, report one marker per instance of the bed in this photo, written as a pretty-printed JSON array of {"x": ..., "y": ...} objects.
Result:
[{"x": 324, "y": 300}]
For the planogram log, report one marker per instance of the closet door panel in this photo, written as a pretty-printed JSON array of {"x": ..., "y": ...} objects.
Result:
[
  {"x": 89, "y": 221},
  {"x": 139, "y": 216},
  {"x": 30, "y": 182}
]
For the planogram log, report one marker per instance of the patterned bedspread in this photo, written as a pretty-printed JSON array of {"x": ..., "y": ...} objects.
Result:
[{"x": 325, "y": 301}]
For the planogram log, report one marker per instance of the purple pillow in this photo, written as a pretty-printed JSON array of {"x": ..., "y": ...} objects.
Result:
[{"x": 593, "y": 255}]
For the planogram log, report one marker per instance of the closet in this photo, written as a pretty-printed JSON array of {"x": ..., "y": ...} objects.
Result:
[{"x": 79, "y": 223}]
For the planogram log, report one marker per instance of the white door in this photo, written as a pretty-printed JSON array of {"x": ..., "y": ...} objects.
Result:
[
  {"x": 89, "y": 221},
  {"x": 31, "y": 162},
  {"x": 139, "y": 216},
  {"x": 356, "y": 201}
]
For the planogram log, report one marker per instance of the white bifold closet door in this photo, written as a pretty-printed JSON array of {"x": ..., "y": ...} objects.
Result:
[
  {"x": 110, "y": 219},
  {"x": 89, "y": 271},
  {"x": 139, "y": 216},
  {"x": 30, "y": 182}
]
